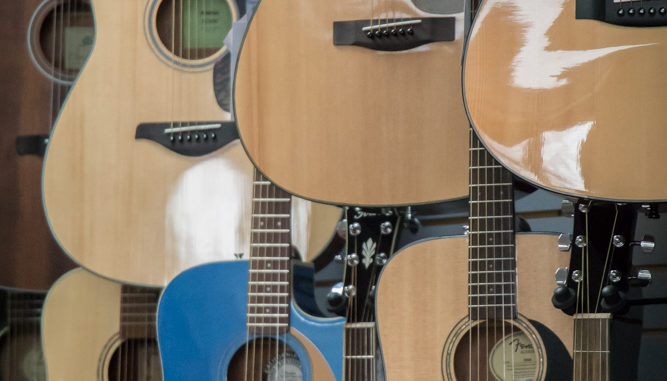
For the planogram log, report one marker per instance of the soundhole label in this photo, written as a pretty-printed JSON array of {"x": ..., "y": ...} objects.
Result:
[
  {"x": 60, "y": 38},
  {"x": 513, "y": 358},
  {"x": 189, "y": 33},
  {"x": 284, "y": 367}
]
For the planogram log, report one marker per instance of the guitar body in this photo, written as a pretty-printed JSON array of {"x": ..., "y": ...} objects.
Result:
[
  {"x": 328, "y": 121},
  {"x": 81, "y": 332},
  {"x": 422, "y": 313},
  {"x": 129, "y": 209},
  {"x": 30, "y": 258},
  {"x": 202, "y": 325},
  {"x": 558, "y": 100}
]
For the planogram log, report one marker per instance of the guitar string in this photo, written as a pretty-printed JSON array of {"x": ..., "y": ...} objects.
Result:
[
  {"x": 346, "y": 341},
  {"x": 470, "y": 252},
  {"x": 249, "y": 302}
]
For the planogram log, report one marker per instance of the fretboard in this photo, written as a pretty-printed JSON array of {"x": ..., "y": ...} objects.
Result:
[
  {"x": 491, "y": 250},
  {"x": 360, "y": 351},
  {"x": 591, "y": 347},
  {"x": 138, "y": 309},
  {"x": 269, "y": 290},
  {"x": 24, "y": 307}
]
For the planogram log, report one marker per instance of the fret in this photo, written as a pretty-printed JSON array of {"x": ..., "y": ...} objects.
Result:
[
  {"x": 488, "y": 283},
  {"x": 489, "y": 201},
  {"x": 591, "y": 346},
  {"x": 490, "y": 185},
  {"x": 491, "y": 271},
  {"x": 269, "y": 291},
  {"x": 491, "y": 231},
  {"x": 267, "y": 325},
  {"x": 359, "y": 355},
  {"x": 490, "y": 217},
  {"x": 487, "y": 246},
  {"x": 485, "y": 166}
]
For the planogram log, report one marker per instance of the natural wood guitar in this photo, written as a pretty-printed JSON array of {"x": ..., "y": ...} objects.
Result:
[
  {"x": 355, "y": 102},
  {"x": 569, "y": 93},
  {"x": 444, "y": 315},
  {"x": 97, "y": 329},
  {"x": 142, "y": 210},
  {"x": 45, "y": 41}
]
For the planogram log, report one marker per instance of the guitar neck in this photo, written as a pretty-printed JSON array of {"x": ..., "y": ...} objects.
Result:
[
  {"x": 138, "y": 309},
  {"x": 269, "y": 289},
  {"x": 360, "y": 351},
  {"x": 591, "y": 347},
  {"x": 491, "y": 250}
]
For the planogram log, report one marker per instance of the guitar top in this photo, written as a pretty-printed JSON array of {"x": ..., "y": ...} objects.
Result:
[
  {"x": 572, "y": 103},
  {"x": 35, "y": 79},
  {"x": 142, "y": 177},
  {"x": 329, "y": 113}
]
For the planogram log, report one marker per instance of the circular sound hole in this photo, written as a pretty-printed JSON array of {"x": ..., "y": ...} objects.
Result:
[
  {"x": 193, "y": 29},
  {"x": 267, "y": 360},
  {"x": 495, "y": 350},
  {"x": 136, "y": 360},
  {"x": 61, "y": 37},
  {"x": 21, "y": 358}
]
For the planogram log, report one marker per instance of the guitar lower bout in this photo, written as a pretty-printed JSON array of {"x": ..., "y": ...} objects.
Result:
[{"x": 514, "y": 344}]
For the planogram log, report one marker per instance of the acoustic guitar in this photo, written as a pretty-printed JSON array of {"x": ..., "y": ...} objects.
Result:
[
  {"x": 371, "y": 235},
  {"x": 355, "y": 102},
  {"x": 97, "y": 329},
  {"x": 565, "y": 93},
  {"x": 143, "y": 176},
  {"x": 237, "y": 320},
  {"x": 595, "y": 284},
  {"x": 48, "y": 40},
  {"x": 442, "y": 314}
]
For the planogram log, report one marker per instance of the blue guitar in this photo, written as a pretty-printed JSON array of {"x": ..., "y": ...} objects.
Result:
[{"x": 237, "y": 321}]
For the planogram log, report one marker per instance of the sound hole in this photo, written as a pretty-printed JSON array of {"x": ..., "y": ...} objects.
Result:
[
  {"x": 193, "y": 29},
  {"x": 61, "y": 38},
  {"x": 136, "y": 360},
  {"x": 495, "y": 350},
  {"x": 21, "y": 357},
  {"x": 265, "y": 360}
]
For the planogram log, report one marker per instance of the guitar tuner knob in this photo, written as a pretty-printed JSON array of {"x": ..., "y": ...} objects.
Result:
[
  {"x": 642, "y": 279},
  {"x": 651, "y": 11},
  {"x": 565, "y": 242},
  {"x": 341, "y": 228},
  {"x": 567, "y": 208},
  {"x": 561, "y": 276},
  {"x": 647, "y": 244},
  {"x": 336, "y": 299},
  {"x": 338, "y": 258}
]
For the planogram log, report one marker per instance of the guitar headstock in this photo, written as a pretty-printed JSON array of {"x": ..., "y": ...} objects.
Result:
[
  {"x": 600, "y": 271},
  {"x": 370, "y": 240}
]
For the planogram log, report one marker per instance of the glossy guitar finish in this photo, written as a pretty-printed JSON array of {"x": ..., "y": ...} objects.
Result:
[
  {"x": 420, "y": 301},
  {"x": 361, "y": 126},
  {"x": 202, "y": 323},
  {"x": 567, "y": 103},
  {"x": 81, "y": 326},
  {"x": 30, "y": 258}
]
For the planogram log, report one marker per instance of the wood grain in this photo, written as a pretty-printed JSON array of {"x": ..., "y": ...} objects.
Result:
[
  {"x": 81, "y": 316},
  {"x": 348, "y": 125},
  {"x": 422, "y": 297},
  {"x": 133, "y": 210},
  {"x": 575, "y": 106}
]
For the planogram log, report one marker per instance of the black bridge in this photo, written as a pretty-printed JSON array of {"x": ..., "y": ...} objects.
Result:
[
  {"x": 393, "y": 34},
  {"x": 189, "y": 138},
  {"x": 624, "y": 12}
]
